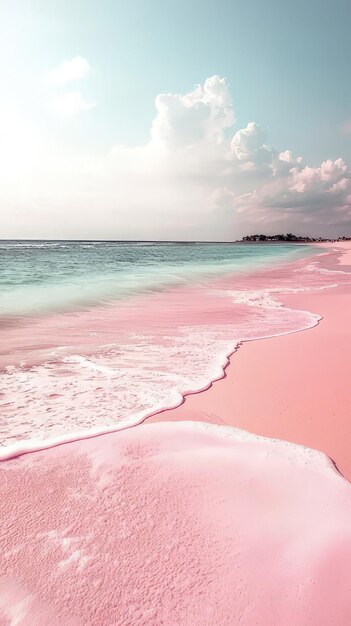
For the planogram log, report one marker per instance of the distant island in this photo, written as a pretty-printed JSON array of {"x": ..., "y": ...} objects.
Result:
[{"x": 289, "y": 237}]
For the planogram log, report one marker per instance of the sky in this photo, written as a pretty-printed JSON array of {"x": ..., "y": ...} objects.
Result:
[{"x": 154, "y": 119}]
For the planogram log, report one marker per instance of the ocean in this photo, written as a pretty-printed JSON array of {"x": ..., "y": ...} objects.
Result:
[{"x": 95, "y": 336}]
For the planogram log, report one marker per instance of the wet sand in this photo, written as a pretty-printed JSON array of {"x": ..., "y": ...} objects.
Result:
[
  {"x": 179, "y": 522},
  {"x": 294, "y": 387}
]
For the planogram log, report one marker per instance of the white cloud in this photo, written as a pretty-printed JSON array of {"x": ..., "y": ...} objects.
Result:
[
  {"x": 68, "y": 71},
  {"x": 248, "y": 145},
  {"x": 200, "y": 116},
  {"x": 318, "y": 178},
  {"x": 70, "y": 103},
  {"x": 197, "y": 177},
  {"x": 316, "y": 196}
]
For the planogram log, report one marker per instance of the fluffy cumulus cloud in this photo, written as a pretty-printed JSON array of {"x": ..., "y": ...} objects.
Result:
[
  {"x": 315, "y": 197},
  {"x": 249, "y": 146},
  {"x": 198, "y": 176},
  {"x": 235, "y": 178},
  {"x": 196, "y": 118}
]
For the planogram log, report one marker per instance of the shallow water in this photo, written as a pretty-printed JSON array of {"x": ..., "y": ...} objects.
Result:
[
  {"x": 148, "y": 324},
  {"x": 39, "y": 276}
]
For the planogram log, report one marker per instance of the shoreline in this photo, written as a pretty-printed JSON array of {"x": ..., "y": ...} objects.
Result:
[
  {"x": 184, "y": 521},
  {"x": 311, "y": 361},
  {"x": 167, "y": 306},
  {"x": 190, "y": 404}
]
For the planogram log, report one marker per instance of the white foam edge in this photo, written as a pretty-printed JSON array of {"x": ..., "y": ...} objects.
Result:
[{"x": 35, "y": 445}]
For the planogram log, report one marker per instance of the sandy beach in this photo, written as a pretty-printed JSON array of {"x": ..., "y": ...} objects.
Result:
[
  {"x": 182, "y": 521},
  {"x": 175, "y": 313},
  {"x": 295, "y": 387}
]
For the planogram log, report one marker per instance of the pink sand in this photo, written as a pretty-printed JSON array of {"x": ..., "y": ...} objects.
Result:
[
  {"x": 295, "y": 387},
  {"x": 63, "y": 375},
  {"x": 72, "y": 372},
  {"x": 175, "y": 524},
  {"x": 344, "y": 246},
  {"x": 194, "y": 523}
]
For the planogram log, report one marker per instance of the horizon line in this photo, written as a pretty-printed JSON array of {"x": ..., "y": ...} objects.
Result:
[{"x": 180, "y": 241}]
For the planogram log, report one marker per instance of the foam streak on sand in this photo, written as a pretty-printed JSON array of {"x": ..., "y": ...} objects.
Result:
[{"x": 33, "y": 445}]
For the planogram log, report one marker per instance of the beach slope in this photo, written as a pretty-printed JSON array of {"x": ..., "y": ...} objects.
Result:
[{"x": 294, "y": 387}]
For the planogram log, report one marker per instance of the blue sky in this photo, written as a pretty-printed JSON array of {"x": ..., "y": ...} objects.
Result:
[{"x": 286, "y": 65}]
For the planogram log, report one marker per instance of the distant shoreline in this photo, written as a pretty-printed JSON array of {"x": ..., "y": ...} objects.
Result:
[{"x": 175, "y": 242}]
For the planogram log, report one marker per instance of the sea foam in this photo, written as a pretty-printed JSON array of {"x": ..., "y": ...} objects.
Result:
[{"x": 73, "y": 375}]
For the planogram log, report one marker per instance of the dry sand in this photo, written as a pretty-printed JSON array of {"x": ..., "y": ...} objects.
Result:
[{"x": 295, "y": 387}]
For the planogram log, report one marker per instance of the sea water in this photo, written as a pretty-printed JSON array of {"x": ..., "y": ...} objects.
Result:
[
  {"x": 97, "y": 335},
  {"x": 43, "y": 276}
]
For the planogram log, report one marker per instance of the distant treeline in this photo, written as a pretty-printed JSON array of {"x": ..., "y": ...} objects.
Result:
[{"x": 289, "y": 237}]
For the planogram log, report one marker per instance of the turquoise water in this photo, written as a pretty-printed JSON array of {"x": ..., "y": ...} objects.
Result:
[
  {"x": 94, "y": 336},
  {"x": 42, "y": 276}
]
